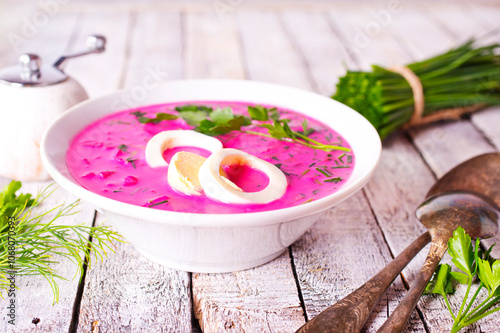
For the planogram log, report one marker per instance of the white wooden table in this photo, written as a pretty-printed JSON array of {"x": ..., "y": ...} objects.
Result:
[{"x": 305, "y": 44}]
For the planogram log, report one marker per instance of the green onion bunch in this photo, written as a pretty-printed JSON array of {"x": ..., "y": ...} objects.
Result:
[{"x": 463, "y": 78}]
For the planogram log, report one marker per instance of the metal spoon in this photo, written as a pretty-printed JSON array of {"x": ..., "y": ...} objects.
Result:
[
  {"x": 442, "y": 214},
  {"x": 480, "y": 174}
]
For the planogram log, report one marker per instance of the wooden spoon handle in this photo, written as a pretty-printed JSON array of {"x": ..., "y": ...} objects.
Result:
[
  {"x": 349, "y": 315},
  {"x": 398, "y": 319}
]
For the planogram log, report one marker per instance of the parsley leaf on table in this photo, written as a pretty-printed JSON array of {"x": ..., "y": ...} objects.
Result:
[
  {"x": 10, "y": 203},
  {"x": 442, "y": 282},
  {"x": 471, "y": 263}
]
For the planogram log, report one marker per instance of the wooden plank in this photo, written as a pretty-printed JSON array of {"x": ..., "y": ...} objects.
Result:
[
  {"x": 487, "y": 120},
  {"x": 35, "y": 297},
  {"x": 463, "y": 139},
  {"x": 128, "y": 292},
  {"x": 269, "y": 57},
  {"x": 153, "y": 61},
  {"x": 443, "y": 145},
  {"x": 367, "y": 40},
  {"x": 402, "y": 179},
  {"x": 322, "y": 52},
  {"x": 100, "y": 73},
  {"x": 214, "y": 51},
  {"x": 420, "y": 48},
  {"x": 331, "y": 258},
  {"x": 26, "y": 27},
  {"x": 10, "y": 30},
  {"x": 264, "y": 298},
  {"x": 484, "y": 15},
  {"x": 448, "y": 18}
]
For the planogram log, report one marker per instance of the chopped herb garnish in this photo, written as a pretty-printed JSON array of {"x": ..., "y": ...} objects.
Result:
[
  {"x": 203, "y": 108},
  {"x": 349, "y": 158},
  {"x": 159, "y": 117},
  {"x": 333, "y": 180},
  {"x": 123, "y": 148},
  {"x": 132, "y": 161},
  {"x": 158, "y": 203},
  {"x": 340, "y": 167},
  {"x": 275, "y": 158},
  {"x": 140, "y": 116},
  {"x": 194, "y": 118},
  {"x": 305, "y": 172},
  {"x": 341, "y": 157},
  {"x": 324, "y": 172},
  {"x": 315, "y": 192},
  {"x": 135, "y": 191},
  {"x": 258, "y": 112},
  {"x": 117, "y": 191},
  {"x": 138, "y": 113},
  {"x": 312, "y": 164},
  {"x": 278, "y": 165},
  {"x": 223, "y": 120},
  {"x": 305, "y": 128}
]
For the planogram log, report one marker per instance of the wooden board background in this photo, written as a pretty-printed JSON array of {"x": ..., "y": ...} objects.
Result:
[{"x": 304, "y": 44}]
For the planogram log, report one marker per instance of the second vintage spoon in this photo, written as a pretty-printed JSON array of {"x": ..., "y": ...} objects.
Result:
[{"x": 351, "y": 313}]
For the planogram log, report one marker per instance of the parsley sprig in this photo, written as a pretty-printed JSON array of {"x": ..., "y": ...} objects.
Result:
[
  {"x": 223, "y": 120},
  {"x": 472, "y": 263}
]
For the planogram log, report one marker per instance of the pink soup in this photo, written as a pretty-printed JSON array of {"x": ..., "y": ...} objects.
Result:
[{"x": 107, "y": 158}]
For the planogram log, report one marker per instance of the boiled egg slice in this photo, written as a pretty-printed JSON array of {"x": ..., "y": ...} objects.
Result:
[
  {"x": 183, "y": 172},
  {"x": 218, "y": 187},
  {"x": 177, "y": 138}
]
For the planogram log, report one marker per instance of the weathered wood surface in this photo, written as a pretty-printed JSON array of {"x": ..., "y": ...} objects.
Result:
[
  {"x": 128, "y": 293},
  {"x": 301, "y": 44},
  {"x": 34, "y": 297},
  {"x": 264, "y": 298}
]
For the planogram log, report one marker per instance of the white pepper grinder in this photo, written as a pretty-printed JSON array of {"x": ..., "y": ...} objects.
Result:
[{"x": 32, "y": 95}]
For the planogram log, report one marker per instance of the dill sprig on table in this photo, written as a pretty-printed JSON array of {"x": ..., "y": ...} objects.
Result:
[
  {"x": 460, "y": 78},
  {"x": 40, "y": 243}
]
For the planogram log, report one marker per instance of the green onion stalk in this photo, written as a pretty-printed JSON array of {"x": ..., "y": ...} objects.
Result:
[{"x": 463, "y": 79}]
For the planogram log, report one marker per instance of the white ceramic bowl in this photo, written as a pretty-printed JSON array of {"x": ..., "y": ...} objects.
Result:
[{"x": 213, "y": 242}]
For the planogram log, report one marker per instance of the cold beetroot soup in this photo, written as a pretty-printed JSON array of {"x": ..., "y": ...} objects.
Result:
[{"x": 107, "y": 157}]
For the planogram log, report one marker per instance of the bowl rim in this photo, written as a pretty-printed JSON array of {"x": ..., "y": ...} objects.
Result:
[{"x": 248, "y": 219}]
